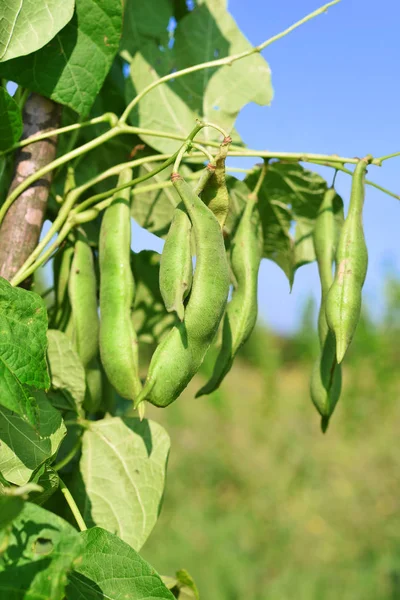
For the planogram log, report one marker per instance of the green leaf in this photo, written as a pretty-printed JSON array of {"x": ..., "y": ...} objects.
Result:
[
  {"x": 162, "y": 108},
  {"x": 150, "y": 319},
  {"x": 112, "y": 570},
  {"x": 303, "y": 242},
  {"x": 66, "y": 369},
  {"x": 216, "y": 94},
  {"x": 27, "y": 25},
  {"x": 12, "y": 501},
  {"x": 182, "y": 585},
  {"x": 10, "y": 123},
  {"x": 42, "y": 550},
  {"x": 72, "y": 67},
  {"x": 144, "y": 21},
  {"x": 288, "y": 193},
  {"x": 23, "y": 447},
  {"x": 48, "y": 480},
  {"x": 23, "y": 324},
  {"x": 207, "y": 33},
  {"x": 122, "y": 469}
]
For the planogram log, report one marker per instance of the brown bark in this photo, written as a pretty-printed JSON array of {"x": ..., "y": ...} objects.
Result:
[{"x": 21, "y": 227}]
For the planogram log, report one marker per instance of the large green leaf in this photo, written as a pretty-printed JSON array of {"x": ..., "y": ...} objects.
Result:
[
  {"x": 42, "y": 550},
  {"x": 144, "y": 21},
  {"x": 27, "y": 25},
  {"x": 216, "y": 94},
  {"x": 122, "y": 470},
  {"x": 23, "y": 447},
  {"x": 23, "y": 324},
  {"x": 10, "y": 123},
  {"x": 72, "y": 67},
  {"x": 112, "y": 570},
  {"x": 66, "y": 369},
  {"x": 289, "y": 193}
]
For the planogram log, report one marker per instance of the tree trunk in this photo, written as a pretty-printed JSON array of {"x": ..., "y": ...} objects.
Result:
[{"x": 21, "y": 227}]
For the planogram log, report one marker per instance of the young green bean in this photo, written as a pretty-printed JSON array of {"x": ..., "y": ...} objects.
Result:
[
  {"x": 118, "y": 341},
  {"x": 326, "y": 377},
  {"x": 94, "y": 386},
  {"x": 215, "y": 193},
  {"x": 61, "y": 269},
  {"x": 180, "y": 354},
  {"x": 241, "y": 315},
  {"x": 343, "y": 304},
  {"x": 176, "y": 263},
  {"x": 82, "y": 292}
]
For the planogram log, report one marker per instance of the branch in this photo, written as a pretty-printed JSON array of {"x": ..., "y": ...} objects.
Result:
[{"x": 20, "y": 230}]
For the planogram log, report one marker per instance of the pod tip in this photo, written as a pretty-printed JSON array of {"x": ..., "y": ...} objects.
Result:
[{"x": 324, "y": 424}]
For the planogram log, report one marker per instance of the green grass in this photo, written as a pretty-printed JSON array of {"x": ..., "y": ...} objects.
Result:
[{"x": 260, "y": 505}]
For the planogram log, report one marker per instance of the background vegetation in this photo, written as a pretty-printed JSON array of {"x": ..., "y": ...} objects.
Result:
[{"x": 259, "y": 504}]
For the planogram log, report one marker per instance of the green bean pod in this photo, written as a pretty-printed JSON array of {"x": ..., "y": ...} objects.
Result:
[
  {"x": 180, "y": 354},
  {"x": 82, "y": 292},
  {"x": 241, "y": 315},
  {"x": 326, "y": 377},
  {"x": 326, "y": 380},
  {"x": 324, "y": 238},
  {"x": 215, "y": 193},
  {"x": 176, "y": 263},
  {"x": 61, "y": 269},
  {"x": 118, "y": 341},
  {"x": 94, "y": 386},
  {"x": 343, "y": 304}
]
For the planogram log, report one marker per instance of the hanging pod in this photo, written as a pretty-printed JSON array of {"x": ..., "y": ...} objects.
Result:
[
  {"x": 180, "y": 354},
  {"x": 241, "y": 314},
  {"x": 343, "y": 304},
  {"x": 118, "y": 341},
  {"x": 326, "y": 376}
]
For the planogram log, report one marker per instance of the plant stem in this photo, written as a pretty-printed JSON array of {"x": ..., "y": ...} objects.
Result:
[
  {"x": 68, "y": 457},
  {"x": 73, "y": 506},
  {"x": 43, "y": 136},
  {"x": 228, "y": 60},
  {"x": 204, "y": 150},
  {"x": 343, "y": 169},
  {"x": 260, "y": 180}
]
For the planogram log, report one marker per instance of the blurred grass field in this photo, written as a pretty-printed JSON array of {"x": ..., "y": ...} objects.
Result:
[{"x": 259, "y": 504}]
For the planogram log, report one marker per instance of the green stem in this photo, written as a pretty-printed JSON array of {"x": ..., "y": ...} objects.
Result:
[
  {"x": 53, "y": 165},
  {"x": 260, "y": 180},
  {"x": 68, "y": 457},
  {"x": 343, "y": 169},
  {"x": 228, "y": 60},
  {"x": 204, "y": 150},
  {"x": 43, "y": 136},
  {"x": 380, "y": 159},
  {"x": 73, "y": 506}
]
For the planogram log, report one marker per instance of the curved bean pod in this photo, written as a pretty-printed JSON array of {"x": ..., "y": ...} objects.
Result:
[
  {"x": 118, "y": 341},
  {"x": 326, "y": 377},
  {"x": 343, "y": 304},
  {"x": 82, "y": 292},
  {"x": 180, "y": 354},
  {"x": 241, "y": 315},
  {"x": 61, "y": 269},
  {"x": 176, "y": 263}
]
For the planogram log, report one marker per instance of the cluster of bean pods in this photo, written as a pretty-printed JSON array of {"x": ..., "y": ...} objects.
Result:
[
  {"x": 340, "y": 295},
  {"x": 95, "y": 307}
]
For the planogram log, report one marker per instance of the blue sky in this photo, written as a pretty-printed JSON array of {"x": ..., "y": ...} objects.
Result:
[{"x": 336, "y": 82}]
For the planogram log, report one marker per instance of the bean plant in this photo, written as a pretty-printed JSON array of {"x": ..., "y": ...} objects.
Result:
[{"x": 118, "y": 111}]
